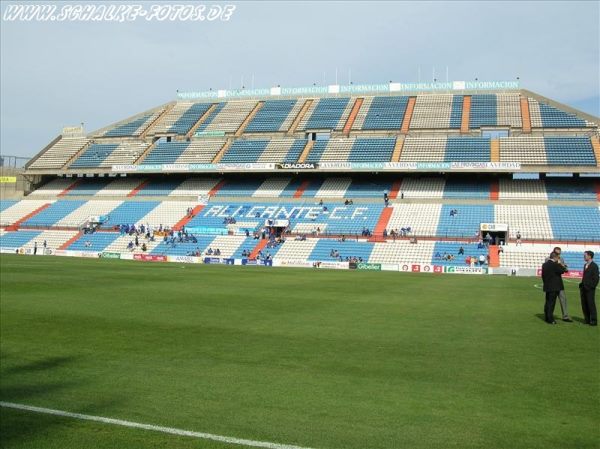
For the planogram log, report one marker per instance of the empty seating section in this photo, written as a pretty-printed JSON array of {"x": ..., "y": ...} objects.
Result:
[
  {"x": 15, "y": 211},
  {"x": 87, "y": 187},
  {"x": 424, "y": 149},
  {"x": 335, "y": 150},
  {"x": 131, "y": 128},
  {"x": 566, "y": 189},
  {"x": 120, "y": 187},
  {"x": 271, "y": 187},
  {"x": 245, "y": 151},
  {"x": 528, "y": 150},
  {"x": 317, "y": 151},
  {"x": 575, "y": 223},
  {"x": 203, "y": 242},
  {"x": 95, "y": 242},
  {"x": 322, "y": 251},
  {"x": 467, "y": 149},
  {"x": 326, "y": 113},
  {"x": 166, "y": 122},
  {"x": 201, "y": 151},
  {"x": 227, "y": 117},
  {"x": 467, "y": 189},
  {"x": 54, "y": 187},
  {"x": 531, "y": 221},
  {"x": 189, "y": 118},
  {"x": 5, "y": 204},
  {"x": 508, "y": 110},
  {"x": 165, "y": 153},
  {"x": 466, "y": 222},
  {"x": 239, "y": 187},
  {"x": 423, "y": 219},
  {"x": 60, "y": 153},
  {"x": 456, "y": 112},
  {"x": 19, "y": 239},
  {"x": 107, "y": 154},
  {"x": 130, "y": 212},
  {"x": 402, "y": 252},
  {"x": 53, "y": 214},
  {"x": 166, "y": 213},
  {"x": 569, "y": 151},
  {"x": 534, "y": 255},
  {"x": 433, "y": 111},
  {"x": 423, "y": 187},
  {"x": 521, "y": 189},
  {"x": 193, "y": 187},
  {"x": 282, "y": 150},
  {"x": 80, "y": 215},
  {"x": 334, "y": 188},
  {"x": 453, "y": 248},
  {"x": 372, "y": 150},
  {"x": 384, "y": 113},
  {"x": 368, "y": 189},
  {"x": 483, "y": 111},
  {"x": 271, "y": 116},
  {"x": 546, "y": 116},
  {"x": 362, "y": 113}
]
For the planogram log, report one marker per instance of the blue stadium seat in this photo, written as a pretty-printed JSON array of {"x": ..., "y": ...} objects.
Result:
[
  {"x": 128, "y": 128},
  {"x": 165, "y": 153},
  {"x": 98, "y": 240},
  {"x": 327, "y": 113},
  {"x": 467, "y": 149},
  {"x": 322, "y": 250},
  {"x": 466, "y": 222},
  {"x": 54, "y": 213},
  {"x": 569, "y": 151},
  {"x": 575, "y": 223},
  {"x": 271, "y": 116},
  {"x": 372, "y": 150},
  {"x": 189, "y": 118},
  {"x": 94, "y": 155},
  {"x": 385, "y": 113},
  {"x": 17, "y": 239}
]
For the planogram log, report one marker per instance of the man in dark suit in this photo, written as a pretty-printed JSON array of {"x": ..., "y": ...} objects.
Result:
[
  {"x": 587, "y": 289},
  {"x": 552, "y": 277}
]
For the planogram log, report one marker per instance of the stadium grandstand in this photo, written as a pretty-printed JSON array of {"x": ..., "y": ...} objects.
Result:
[{"x": 484, "y": 177}]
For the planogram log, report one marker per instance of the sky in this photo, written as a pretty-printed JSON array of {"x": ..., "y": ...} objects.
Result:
[{"x": 56, "y": 74}]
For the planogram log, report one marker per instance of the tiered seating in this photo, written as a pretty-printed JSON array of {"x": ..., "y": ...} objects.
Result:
[
  {"x": 534, "y": 255},
  {"x": 160, "y": 187},
  {"x": 88, "y": 187},
  {"x": 384, "y": 113},
  {"x": 218, "y": 107},
  {"x": 271, "y": 116},
  {"x": 348, "y": 249},
  {"x": 54, "y": 239},
  {"x": 203, "y": 242},
  {"x": 452, "y": 248},
  {"x": 54, "y": 187},
  {"x": 108, "y": 154},
  {"x": 566, "y": 189},
  {"x": 532, "y": 221},
  {"x": 372, "y": 150},
  {"x": 239, "y": 187},
  {"x": 569, "y": 151},
  {"x": 467, "y": 189},
  {"x": 432, "y": 111},
  {"x": 119, "y": 187},
  {"x": 546, "y": 116},
  {"x": 526, "y": 189},
  {"x": 191, "y": 187},
  {"x": 466, "y": 222},
  {"x": 508, "y": 109},
  {"x": 326, "y": 114},
  {"x": 402, "y": 252},
  {"x": 18, "y": 239},
  {"x": 317, "y": 150},
  {"x": 15, "y": 211},
  {"x": 525, "y": 149},
  {"x": 467, "y": 149},
  {"x": 60, "y": 153},
  {"x": 368, "y": 189},
  {"x": 119, "y": 245},
  {"x": 245, "y": 151},
  {"x": 362, "y": 113},
  {"x": 95, "y": 242},
  {"x": 165, "y": 153},
  {"x": 334, "y": 150},
  {"x": 85, "y": 211},
  {"x": 423, "y": 219},
  {"x": 5, "y": 204},
  {"x": 201, "y": 151},
  {"x": 167, "y": 213},
  {"x": 130, "y": 128},
  {"x": 229, "y": 117},
  {"x": 189, "y": 118},
  {"x": 282, "y": 150},
  {"x": 483, "y": 111},
  {"x": 130, "y": 212},
  {"x": 228, "y": 245},
  {"x": 575, "y": 223},
  {"x": 424, "y": 149},
  {"x": 170, "y": 118},
  {"x": 292, "y": 250},
  {"x": 287, "y": 123},
  {"x": 53, "y": 214},
  {"x": 334, "y": 188},
  {"x": 423, "y": 187},
  {"x": 456, "y": 111},
  {"x": 272, "y": 187}
]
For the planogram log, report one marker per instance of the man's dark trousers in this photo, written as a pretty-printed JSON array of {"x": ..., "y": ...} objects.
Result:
[
  {"x": 588, "y": 304},
  {"x": 549, "y": 306}
]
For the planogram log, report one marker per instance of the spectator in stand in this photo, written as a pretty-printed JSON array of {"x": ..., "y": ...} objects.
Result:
[
  {"x": 461, "y": 251},
  {"x": 518, "y": 238},
  {"x": 144, "y": 247},
  {"x": 481, "y": 260},
  {"x": 401, "y": 195}
]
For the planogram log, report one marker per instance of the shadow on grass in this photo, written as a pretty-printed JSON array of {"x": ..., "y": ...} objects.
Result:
[{"x": 18, "y": 427}]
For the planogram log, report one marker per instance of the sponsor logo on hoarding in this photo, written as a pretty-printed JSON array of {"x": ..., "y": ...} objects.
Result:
[
  {"x": 298, "y": 166},
  {"x": 150, "y": 257},
  {"x": 415, "y": 268},
  {"x": 465, "y": 270},
  {"x": 183, "y": 259},
  {"x": 438, "y": 269},
  {"x": 108, "y": 255},
  {"x": 404, "y": 268},
  {"x": 368, "y": 266}
]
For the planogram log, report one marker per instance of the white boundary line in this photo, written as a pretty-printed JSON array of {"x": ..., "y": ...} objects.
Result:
[{"x": 135, "y": 425}]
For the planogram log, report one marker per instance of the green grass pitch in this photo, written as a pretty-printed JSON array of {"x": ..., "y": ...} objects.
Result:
[{"x": 315, "y": 358}]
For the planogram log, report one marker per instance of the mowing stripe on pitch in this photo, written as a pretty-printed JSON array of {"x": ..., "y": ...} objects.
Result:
[{"x": 135, "y": 425}]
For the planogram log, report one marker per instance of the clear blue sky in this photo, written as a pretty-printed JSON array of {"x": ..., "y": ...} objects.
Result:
[{"x": 56, "y": 74}]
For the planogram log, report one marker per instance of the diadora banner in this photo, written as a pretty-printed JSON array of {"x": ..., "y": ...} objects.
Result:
[
  {"x": 352, "y": 88},
  {"x": 327, "y": 166}
]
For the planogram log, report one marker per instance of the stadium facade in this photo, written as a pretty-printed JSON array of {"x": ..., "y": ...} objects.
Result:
[{"x": 456, "y": 161}]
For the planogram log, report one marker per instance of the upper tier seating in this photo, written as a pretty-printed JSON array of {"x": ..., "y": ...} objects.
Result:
[
  {"x": 14, "y": 211},
  {"x": 384, "y": 113},
  {"x": 60, "y": 153},
  {"x": 227, "y": 116},
  {"x": 107, "y": 154},
  {"x": 326, "y": 114},
  {"x": 546, "y": 116},
  {"x": 200, "y": 151},
  {"x": 189, "y": 118},
  {"x": 271, "y": 117},
  {"x": 134, "y": 127},
  {"x": 433, "y": 111}
]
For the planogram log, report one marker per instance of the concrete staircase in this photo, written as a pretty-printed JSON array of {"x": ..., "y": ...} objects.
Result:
[
  {"x": 352, "y": 117},
  {"x": 466, "y": 115},
  {"x": 410, "y": 107},
  {"x": 299, "y": 117}
]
